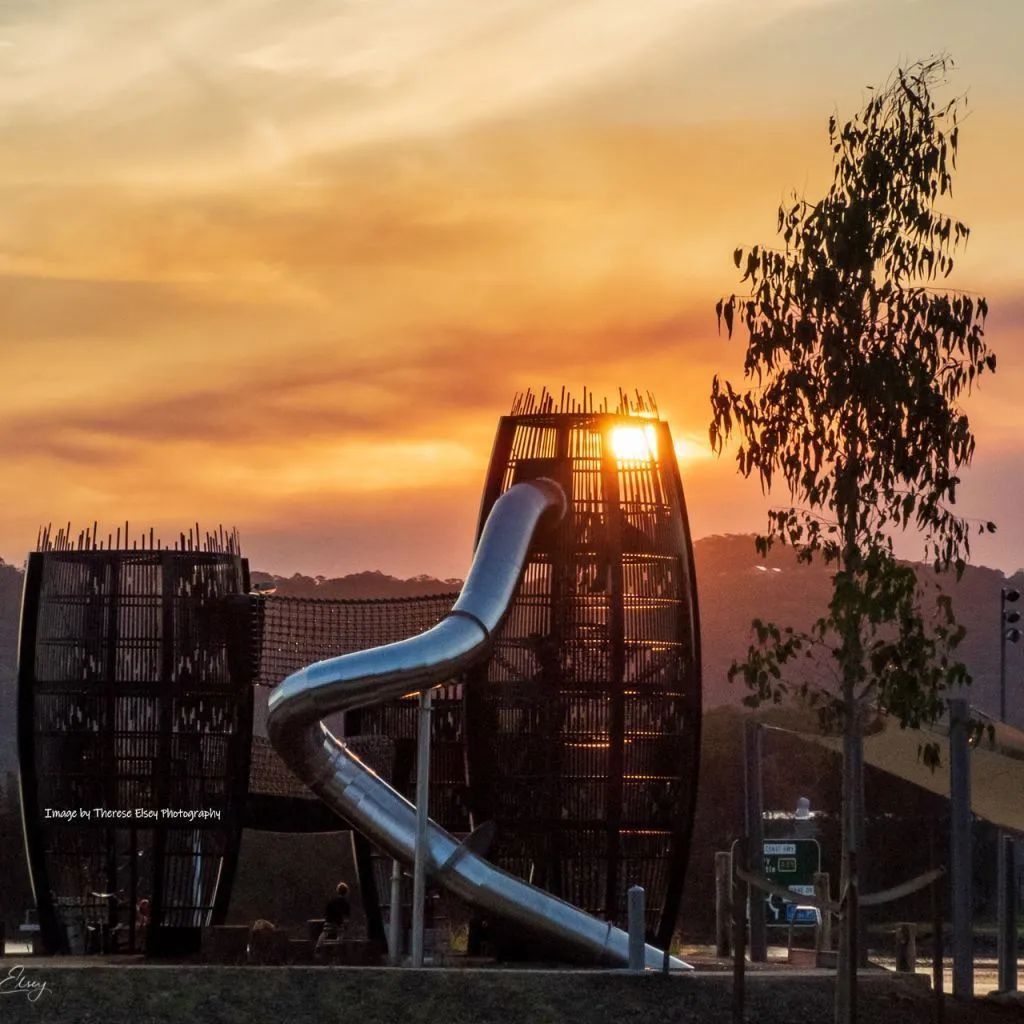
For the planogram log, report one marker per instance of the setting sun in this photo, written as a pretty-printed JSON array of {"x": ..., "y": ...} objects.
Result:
[
  {"x": 634, "y": 443},
  {"x": 348, "y": 239}
]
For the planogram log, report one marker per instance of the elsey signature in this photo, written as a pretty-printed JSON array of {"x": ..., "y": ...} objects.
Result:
[{"x": 14, "y": 983}]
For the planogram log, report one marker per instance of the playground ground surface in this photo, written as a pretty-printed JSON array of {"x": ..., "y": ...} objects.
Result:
[{"x": 91, "y": 990}]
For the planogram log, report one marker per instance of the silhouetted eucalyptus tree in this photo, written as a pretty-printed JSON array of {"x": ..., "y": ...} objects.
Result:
[{"x": 854, "y": 370}]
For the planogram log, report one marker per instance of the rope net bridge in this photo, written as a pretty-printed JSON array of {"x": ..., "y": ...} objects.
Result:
[{"x": 290, "y": 633}]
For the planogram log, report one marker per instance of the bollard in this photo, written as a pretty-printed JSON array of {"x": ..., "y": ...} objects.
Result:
[
  {"x": 906, "y": 947},
  {"x": 637, "y": 929}
]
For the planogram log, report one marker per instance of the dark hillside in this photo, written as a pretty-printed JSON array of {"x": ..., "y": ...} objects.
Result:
[
  {"x": 359, "y": 586},
  {"x": 735, "y": 586}
]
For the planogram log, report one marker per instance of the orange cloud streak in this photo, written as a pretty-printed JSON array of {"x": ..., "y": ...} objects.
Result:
[{"x": 343, "y": 337}]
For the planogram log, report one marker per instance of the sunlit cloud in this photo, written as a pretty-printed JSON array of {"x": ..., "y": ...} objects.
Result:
[
  {"x": 283, "y": 265},
  {"x": 256, "y": 84}
]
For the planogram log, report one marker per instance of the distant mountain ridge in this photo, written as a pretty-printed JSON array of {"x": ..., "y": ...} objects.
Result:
[
  {"x": 735, "y": 585},
  {"x": 369, "y": 585}
]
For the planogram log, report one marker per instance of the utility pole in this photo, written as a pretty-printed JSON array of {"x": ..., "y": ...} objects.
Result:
[
  {"x": 960, "y": 860},
  {"x": 754, "y": 807},
  {"x": 1006, "y": 848}
]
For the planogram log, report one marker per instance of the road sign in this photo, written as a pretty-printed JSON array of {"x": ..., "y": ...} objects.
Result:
[
  {"x": 801, "y": 915},
  {"x": 792, "y": 863}
]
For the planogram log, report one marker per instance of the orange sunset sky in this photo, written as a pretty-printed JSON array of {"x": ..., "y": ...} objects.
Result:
[{"x": 282, "y": 264}]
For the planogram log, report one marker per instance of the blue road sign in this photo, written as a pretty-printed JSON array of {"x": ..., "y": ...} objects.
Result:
[{"x": 801, "y": 915}]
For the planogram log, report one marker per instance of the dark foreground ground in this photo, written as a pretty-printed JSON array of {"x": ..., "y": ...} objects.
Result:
[{"x": 267, "y": 995}]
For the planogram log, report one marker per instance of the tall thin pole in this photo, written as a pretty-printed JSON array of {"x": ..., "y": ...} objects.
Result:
[
  {"x": 1007, "y": 913},
  {"x": 754, "y": 858},
  {"x": 1005, "y": 850},
  {"x": 395, "y": 923},
  {"x": 960, "y": 862},
  {"x": 939, "y": 1014},
  {"x": 1002, "y": 655},
  {"x": 739, "y": 932},
  {"x": 419, "y": 877}
]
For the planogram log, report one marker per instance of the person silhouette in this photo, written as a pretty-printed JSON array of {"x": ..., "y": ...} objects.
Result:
[
  {"x": 336, "y": 914},
  {"x": 141, "y": 923}
]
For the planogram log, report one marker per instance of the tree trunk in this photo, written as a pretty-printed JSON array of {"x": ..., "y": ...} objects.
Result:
[
  {"x": 845, "y": 968},
  {"x": 850, "y": 817},
  {"x": 846, "y": 975}
]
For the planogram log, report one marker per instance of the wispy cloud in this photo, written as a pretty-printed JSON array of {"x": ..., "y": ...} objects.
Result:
[
  {"x": 284, "y": 262},
  {"x": 261, "y": 82}
]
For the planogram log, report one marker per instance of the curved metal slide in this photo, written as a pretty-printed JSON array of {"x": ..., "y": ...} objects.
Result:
[{"x": 463, "y": 638}]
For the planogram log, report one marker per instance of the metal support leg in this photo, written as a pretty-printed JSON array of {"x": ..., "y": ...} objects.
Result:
[
  {"x": 419, "y": 878},
  {"x": 395, "y": 924}
]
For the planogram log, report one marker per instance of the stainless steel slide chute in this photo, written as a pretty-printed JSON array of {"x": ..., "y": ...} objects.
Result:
[{"x": 298, "y": 705}]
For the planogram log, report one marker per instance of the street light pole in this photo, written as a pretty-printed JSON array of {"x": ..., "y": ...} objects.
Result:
[
  {"x": 1006, "y": 618},
  {"x": 1007, "y": 867}
]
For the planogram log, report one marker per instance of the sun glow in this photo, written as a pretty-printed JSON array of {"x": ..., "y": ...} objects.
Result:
[
  {"x": 634, "y": 444},
  {"x": 690, "y": 450}
]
